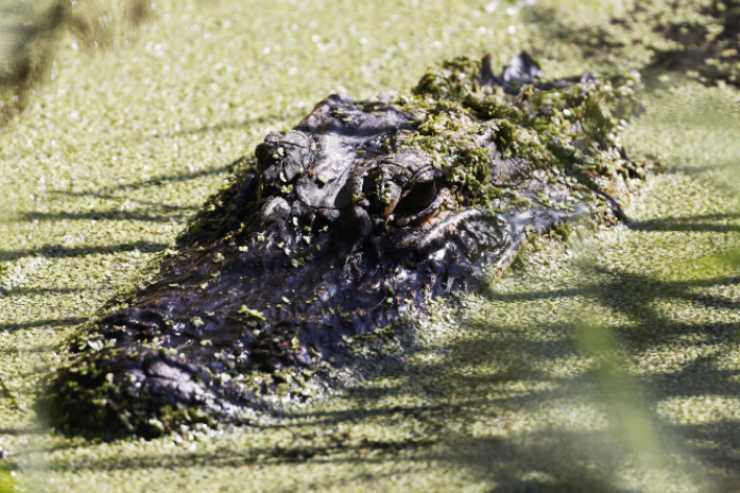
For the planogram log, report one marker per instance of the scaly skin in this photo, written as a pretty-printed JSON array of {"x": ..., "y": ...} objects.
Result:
[{"x": 332, "y": 231}]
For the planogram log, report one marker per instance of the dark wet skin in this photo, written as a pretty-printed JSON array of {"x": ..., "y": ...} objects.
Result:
[{"x": 335, "y": 231}]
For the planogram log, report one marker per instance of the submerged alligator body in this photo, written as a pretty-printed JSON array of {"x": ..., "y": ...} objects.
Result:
[{"x": 333, "y": 229}]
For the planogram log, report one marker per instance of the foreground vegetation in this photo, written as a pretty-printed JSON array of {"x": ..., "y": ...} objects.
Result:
[{"x": 612, "y": 365}]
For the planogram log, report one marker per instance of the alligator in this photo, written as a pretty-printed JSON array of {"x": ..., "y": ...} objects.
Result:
[{"x": 332, "y": 232}]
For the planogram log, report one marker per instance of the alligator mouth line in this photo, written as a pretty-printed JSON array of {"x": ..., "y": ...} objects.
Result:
[{"x": 333, "y": 230}]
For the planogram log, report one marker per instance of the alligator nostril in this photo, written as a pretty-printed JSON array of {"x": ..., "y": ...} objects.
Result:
[{"x": 136, "y": 323}]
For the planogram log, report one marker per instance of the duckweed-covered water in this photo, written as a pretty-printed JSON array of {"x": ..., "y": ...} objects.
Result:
[{"x": 609, "y": 365}]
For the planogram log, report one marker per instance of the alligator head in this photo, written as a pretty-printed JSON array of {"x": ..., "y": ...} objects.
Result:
[{"x": 331, "y": 230}]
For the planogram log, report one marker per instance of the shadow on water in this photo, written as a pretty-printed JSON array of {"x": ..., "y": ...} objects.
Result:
[
  {"x": 103, "y": 215},
  {"x": 157, "y": 181},
  {"x": 335, "y": 453},
  {"x": 148, "y": 205},
  {"x": 704, "y": 223},
  {"x": 446, "y": 418},
  {"x": 229, "y": 125},
  {"x": 61, "y": 251},
  {"x": 34, "y": 430},
  {"x": 147, "y": 211},
  {"x": 50, "y": 323},
  {"x": 21, "y": 291},
  {"x": 560, "y": 459},
  {"x": 686, "y": 37}
]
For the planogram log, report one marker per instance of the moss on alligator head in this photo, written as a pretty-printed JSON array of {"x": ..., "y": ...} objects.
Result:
[
  {"x": 334, "y": 229},
  {"x": 573, "y": 127}
]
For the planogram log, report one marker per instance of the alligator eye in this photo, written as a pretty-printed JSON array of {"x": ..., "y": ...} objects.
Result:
[
  {"x": 390, "y": 195},
  {"x": 417, "y": 199}
]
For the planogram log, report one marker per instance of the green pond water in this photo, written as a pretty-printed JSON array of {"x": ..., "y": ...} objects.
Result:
[{"x": 608, "y": 363}]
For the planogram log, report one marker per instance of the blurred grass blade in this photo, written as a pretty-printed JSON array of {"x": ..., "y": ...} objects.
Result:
[
  {"x": 29, "y": 32},
  {"x": 625, "y": 406}
]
